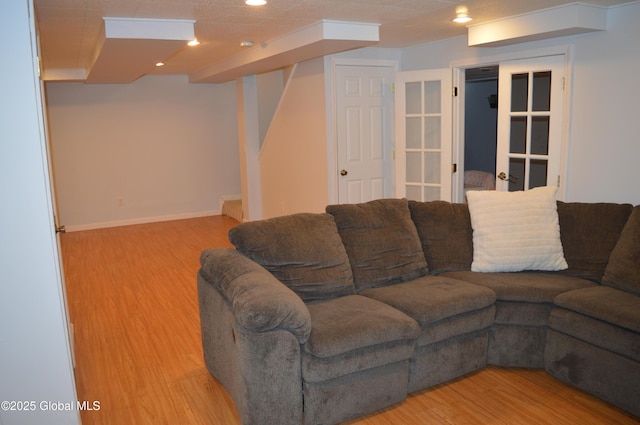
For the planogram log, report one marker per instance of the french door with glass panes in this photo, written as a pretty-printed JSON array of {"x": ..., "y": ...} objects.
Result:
[
  {"x": 423, "y": 134},
  {"x": 530, "y": 123}
]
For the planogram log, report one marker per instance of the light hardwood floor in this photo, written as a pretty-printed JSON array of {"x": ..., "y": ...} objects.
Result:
[{"x": 132, "y": 299}]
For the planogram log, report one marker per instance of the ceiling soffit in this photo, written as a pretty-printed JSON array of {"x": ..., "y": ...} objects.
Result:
[{"x": 320, "y": 39}]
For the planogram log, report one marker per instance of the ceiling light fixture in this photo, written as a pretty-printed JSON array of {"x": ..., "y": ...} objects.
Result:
[
  {"x": 160, "y": 64},
  {"x": 255, "y": 2},
  {"x": 246, "y": 43},
  {"x": 193, "y": 42},
  {"x": 462, "y": 15}
]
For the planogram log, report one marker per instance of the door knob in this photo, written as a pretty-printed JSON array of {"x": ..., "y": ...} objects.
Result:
[
  {"x": 510, "y": 179},
  {"x": 60, "y": 229},
  {"x": 343, "y": 172}
]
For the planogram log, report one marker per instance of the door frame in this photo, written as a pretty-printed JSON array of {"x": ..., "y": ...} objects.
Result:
[
  {"x": 332, "y": 143},
  {"x": 459, "y": 68}
]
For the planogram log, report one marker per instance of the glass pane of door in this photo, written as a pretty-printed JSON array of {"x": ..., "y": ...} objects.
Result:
[
  {"x": 413, "y": 97},
  {"x": 519, "y": 92},
  {"x": 540, "y": 135},
  {"x": 541, "y": 91},
  {"x": 432, "y": 97},
  {"x": 516, "y": 174},
  {"x": 518, "y": 142}
]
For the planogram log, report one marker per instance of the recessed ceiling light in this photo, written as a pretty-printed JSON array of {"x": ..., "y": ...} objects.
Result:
[
  {"x": 193, "y": 42},
  {"x": 256, "y": 2},
  {"x": 462, "y": 15},
  {"x": 461, "y": 19},
  {"x": 246, "y": 43},
  {"x": 160, "y": 64}
]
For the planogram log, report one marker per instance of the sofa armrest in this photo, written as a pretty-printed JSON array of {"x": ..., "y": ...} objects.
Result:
[{"x": 258, "y": 301}]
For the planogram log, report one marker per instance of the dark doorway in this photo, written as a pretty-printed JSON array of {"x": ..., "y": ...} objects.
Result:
[{"x": 480, "y": 124}]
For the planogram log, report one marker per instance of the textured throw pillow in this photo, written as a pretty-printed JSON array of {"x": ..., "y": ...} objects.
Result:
[
  {"x": 445, "y": 232},
  {"x": 381, "y": 241},
  {"x": 304, "y": 251},
  {"x": 515, "y": 231},
  {"x": 623, "y": 270}
]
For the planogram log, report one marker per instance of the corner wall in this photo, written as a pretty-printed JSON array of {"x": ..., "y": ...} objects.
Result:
[
  {"x": 35, "y": 352},
  {"x": 159, "y": 148},
  {"x": 293, "y": 159}
]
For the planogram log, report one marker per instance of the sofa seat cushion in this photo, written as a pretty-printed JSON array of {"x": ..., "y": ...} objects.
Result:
[
  {"x": 352, "y": 322},
  {"x": 536, "y": 287},
  {"x": 589, "y": 232},
  {"x": 623, "y": 269},
  {"x": 443, "y": 307},
  {"x": 288, "y": 247},
  {"x": 381, "y": 241},
  {"x": 606, "y": 304},
  {"x": 445, "y": 233},
  {"x": 354, "y": 333},
  {"x": 605, "y": 317}
]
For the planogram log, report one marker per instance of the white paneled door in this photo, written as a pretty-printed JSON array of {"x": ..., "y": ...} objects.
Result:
[
  {"x": 364, "y": 126},
  {"x": 424, "y": 134},
  {"x": 530, "y": 123}
]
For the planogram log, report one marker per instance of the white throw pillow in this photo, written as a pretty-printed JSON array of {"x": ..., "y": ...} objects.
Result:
[{"x": 515, "y": 231}]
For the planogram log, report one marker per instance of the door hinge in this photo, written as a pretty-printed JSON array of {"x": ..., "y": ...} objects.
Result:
[
  {"x": 455, "y": 92},
  {"x": 558, "y": 182},
  {"x": 563, "y": 82},
  {"x": 58, "y": 229},
  {"x": 454, "y": 168},
  {"x": 393, "y": 87}
]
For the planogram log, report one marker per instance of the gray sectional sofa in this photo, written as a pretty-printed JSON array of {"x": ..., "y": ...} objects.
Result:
[{"x": 320, "y": 318}]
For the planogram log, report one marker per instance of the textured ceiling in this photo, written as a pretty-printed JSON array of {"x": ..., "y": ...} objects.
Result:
[{"x": 70, "y": 29}]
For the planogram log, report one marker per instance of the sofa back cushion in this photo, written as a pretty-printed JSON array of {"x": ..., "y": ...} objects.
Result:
[
  {"x": 381, "y": 241},
  {"x": 445, "y": 233},
  {"x": 589, "y": 232},
  {"x": 623, "y": 270},
  {"x": 304, "y": 251}
]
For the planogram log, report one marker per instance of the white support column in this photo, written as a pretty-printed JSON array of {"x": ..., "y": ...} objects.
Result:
[{"x": 249, "y": 141}]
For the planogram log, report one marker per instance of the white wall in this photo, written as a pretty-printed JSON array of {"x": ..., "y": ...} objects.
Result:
[
  {"x": 605, "y": 131},
  {"x": 603, "y": 148},
  {"x": 35, "y": 359},
  {"x": 293, "y": 159},
  {"x": 167, "y": 148}
]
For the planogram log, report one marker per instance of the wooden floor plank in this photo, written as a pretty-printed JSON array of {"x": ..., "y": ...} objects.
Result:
[{"x": 133, "y": 302}]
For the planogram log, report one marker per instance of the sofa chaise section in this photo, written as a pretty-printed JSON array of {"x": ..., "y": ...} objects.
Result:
[
  {"x": 594, "y": 334},
  {"x": 593, "y": 344}
]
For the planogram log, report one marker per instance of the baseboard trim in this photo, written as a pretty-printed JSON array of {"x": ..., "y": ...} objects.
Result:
[{"x": 142, "y": 220}]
